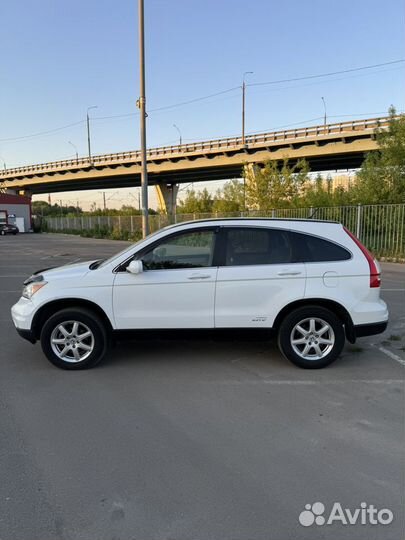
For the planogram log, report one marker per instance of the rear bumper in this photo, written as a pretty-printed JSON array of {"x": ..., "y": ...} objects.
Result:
[
  {"x": 370, "y": 329},
  {"x": 26, "y": 334}
]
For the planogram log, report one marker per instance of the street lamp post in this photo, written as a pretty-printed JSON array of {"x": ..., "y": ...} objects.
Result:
[
  {"x": 75, "y": 149},
  {"x": 243, "y": 105},
  {"x": 324, "y": 108},
  {"x": 88, "y": 131},
  {"x": 174, "y": 125},
  {"x": 142, "y": 106}
]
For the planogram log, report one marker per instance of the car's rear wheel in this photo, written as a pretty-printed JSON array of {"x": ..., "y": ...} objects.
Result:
[
  {"x": 74, "y": 338},
  {"x": 3, "y": 233},
  {"x": 311, "y": 337}
]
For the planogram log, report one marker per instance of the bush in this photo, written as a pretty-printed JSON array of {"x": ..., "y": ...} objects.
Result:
[{"x": 101, "y": 232}]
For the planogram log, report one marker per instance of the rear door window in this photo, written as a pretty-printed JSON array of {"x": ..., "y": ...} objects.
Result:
[{"x": 254, "y": 246}]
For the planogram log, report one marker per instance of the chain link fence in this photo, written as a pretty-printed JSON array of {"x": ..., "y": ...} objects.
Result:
[{"x": 380, "y": 227}]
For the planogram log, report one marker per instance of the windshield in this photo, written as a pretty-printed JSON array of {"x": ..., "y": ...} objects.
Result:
[{"x": 131, "y": 247}]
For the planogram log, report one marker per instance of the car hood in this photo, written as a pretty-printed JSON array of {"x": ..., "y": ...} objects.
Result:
[{"x": 67, "y": 271}]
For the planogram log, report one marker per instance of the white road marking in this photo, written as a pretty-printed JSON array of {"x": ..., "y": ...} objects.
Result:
[
  {"x": 13, "y": 275},
  {"x": 19, "y": 290},
  {"x": 392, "y": 290},
  {"x": 390, "y": 354},
  {"x": 277, "y": 382}
]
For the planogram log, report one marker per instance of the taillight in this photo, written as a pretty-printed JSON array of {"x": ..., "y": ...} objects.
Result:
[{"x": 375, "y": 276}]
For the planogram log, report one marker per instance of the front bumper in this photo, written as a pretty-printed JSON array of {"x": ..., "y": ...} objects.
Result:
[
  {"x": 27, "y": 334},
  {"x": 22, "y": 313}
]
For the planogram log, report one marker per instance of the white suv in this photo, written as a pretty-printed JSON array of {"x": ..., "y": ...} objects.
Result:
[{"x": 311, "y": 281}]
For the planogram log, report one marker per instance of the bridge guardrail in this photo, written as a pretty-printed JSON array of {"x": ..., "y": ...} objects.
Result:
[{"x": 365, "y": 125}]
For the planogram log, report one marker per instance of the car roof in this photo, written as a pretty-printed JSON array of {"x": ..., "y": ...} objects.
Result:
[{"x": 254, "y": 219}]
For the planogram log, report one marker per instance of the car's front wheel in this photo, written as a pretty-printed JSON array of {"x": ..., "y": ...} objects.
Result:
[
  {"x": 311, "y": 337},
  {"x": 74, "y": 338}
]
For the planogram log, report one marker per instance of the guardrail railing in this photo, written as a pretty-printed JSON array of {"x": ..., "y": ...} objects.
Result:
[
  {"x": 380, "y": 227},
  {"x": 213, "y": 145}
]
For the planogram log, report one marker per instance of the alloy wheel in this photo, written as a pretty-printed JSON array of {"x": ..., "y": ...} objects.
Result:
[
  {"x": 72, "y": 341},
  {"x": 312, "y": 338}
]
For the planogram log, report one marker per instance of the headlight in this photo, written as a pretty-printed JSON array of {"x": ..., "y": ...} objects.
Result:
[{"x": 30, "y": 289}]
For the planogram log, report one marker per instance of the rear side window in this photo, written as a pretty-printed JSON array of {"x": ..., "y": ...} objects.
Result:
[
  {"x": 250, "y": 246},
  {"x": 314, "y": 249}
]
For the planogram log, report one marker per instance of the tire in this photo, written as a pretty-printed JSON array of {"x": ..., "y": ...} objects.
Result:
[
  {"x": 63, "y": 343},
  {"x": 300, "y": 337},
  {"x": 3, "y": 233}
]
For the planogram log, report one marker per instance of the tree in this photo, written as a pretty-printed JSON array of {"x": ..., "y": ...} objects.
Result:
[
  {"x": 317, "y": 192},
  {"x": 43, "y": 208},
  {"x": 382, "y": 176},
  {"x": 231, "y": 198},
  {"x": 198, "y": 202},
  {"x": 273, "y": 186}
]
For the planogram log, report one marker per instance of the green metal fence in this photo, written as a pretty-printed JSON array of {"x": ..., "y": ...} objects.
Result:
[{"x": 380, "y": 227}]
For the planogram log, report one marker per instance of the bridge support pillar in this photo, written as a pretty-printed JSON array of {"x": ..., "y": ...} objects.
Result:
[{"x": 167, "y": 195}]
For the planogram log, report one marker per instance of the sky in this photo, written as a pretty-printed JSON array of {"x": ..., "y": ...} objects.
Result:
[{"x": 59, "y": 58}]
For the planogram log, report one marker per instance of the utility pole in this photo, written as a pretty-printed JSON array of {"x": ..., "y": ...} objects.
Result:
[
  {"x": 142, "y": 106},
  {"x": 88, "y": 132},
  {"x": 243, "y": 105},
  {"x": 180, "y": 139},
  {"x": 75, "y": 149},
  {"x": 324, "y": 116}
]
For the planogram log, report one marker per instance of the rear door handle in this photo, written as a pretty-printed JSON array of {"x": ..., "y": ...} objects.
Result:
[
  {"x": 199, "y": 276},
  {"x": 289, "y": 273}
]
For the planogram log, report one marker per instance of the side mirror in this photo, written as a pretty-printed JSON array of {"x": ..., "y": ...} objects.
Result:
[{"x": 135, "y": 267}]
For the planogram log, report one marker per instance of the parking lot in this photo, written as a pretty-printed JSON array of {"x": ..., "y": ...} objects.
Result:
[{"x": 197, "y": 439}]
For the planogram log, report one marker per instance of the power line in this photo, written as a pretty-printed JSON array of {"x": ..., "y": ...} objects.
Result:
[
  {"x": 43, "y": 132},
  {"x": 329, "y": 74},
  {"x": 202, "y": 98},
  {"x": 115, "y": 116},
  {"x": 166, "y": 107},
  {"x": 195, "y": 100}
]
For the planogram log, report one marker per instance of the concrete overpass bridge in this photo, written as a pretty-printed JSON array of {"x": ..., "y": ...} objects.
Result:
[{"x": 327, "y": 147}]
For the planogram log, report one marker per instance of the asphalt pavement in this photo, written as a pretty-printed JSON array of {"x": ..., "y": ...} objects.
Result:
[{"x": 195, "y": 439}]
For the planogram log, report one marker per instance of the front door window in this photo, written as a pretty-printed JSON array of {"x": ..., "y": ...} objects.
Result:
[{"x": 189, "y": 250}]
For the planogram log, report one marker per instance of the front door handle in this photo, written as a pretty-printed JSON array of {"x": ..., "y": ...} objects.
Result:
[
  {"x": 289, "y": 273},
  {"x": 199, "y": 276}
]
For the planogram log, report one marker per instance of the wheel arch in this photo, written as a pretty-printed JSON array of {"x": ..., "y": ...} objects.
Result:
[
  {"x": 332, "y": 305},
  {"x": 52, "y": 307}
]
